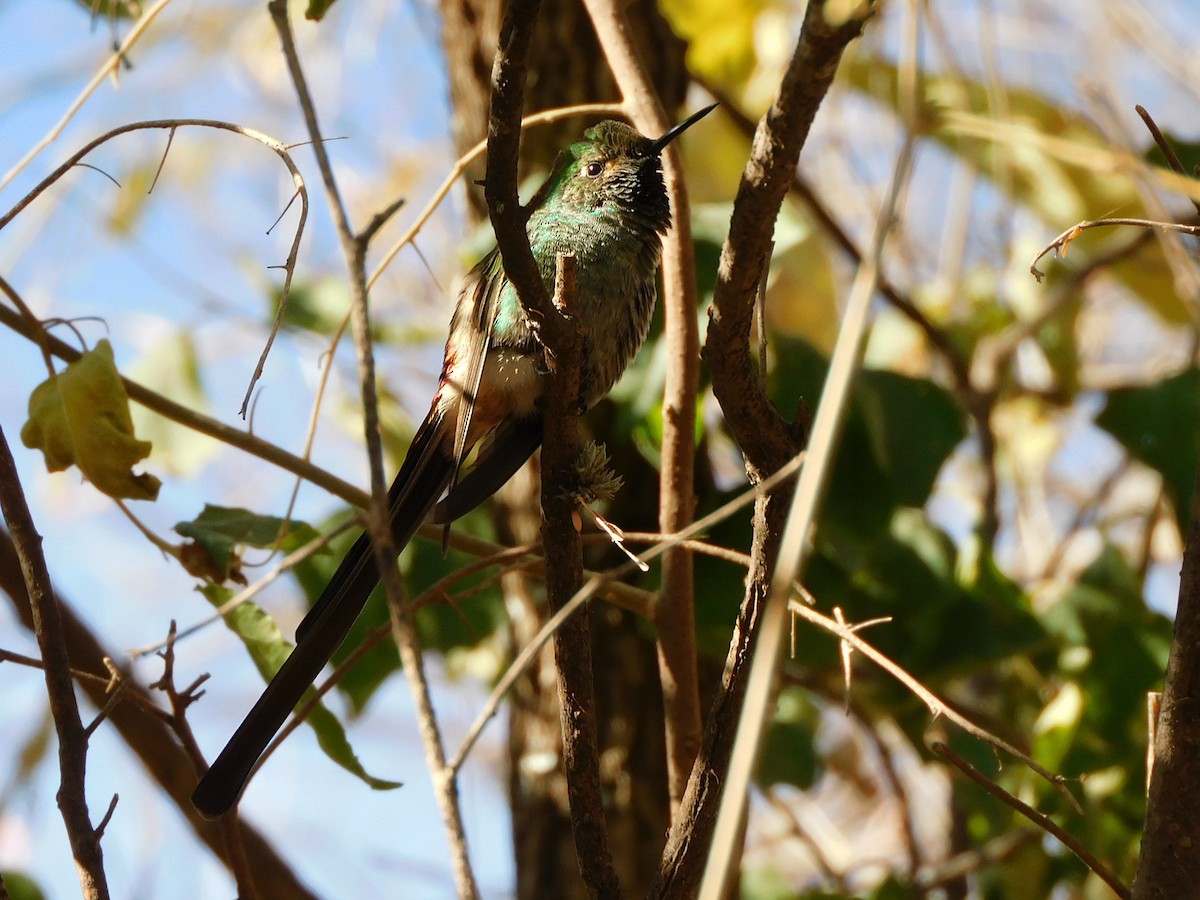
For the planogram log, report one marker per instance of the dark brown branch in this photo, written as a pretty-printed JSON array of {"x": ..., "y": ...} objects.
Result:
[
  {"x": 1168, "y": 868},
  {"x": 560, "y": 444},
  {"x": 64, "y": 708},
  {"x": 564, "y": 574},
  {"x": 765, "y": 438},
  {"x": 503, "y": 148}
]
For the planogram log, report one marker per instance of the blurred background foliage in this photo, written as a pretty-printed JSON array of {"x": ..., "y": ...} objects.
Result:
[{"x": 1011, "y": 484}]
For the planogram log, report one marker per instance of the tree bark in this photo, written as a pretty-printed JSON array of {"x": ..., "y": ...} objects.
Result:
[{"x": 1170, "y": 865}]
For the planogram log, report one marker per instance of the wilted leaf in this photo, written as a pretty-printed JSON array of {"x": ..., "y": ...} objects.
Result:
[{"x": 81, "y": 417}]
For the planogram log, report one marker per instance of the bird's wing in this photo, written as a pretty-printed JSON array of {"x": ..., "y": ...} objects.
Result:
[
  {"x": 488, "y": 280},
  {"x": 505, "y": 451}
]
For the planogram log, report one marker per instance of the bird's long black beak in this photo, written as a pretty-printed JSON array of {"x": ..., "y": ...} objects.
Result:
[{"x": 656, "y": 147}]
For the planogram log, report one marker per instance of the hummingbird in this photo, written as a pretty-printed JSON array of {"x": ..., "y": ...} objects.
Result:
[{"x": 607, "y": 204}]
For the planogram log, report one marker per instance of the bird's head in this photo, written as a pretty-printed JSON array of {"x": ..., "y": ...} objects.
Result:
[{"x": 617, "y": 171}]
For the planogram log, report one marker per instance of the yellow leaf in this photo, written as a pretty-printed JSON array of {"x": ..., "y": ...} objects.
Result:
[{"x": 81, "y": 417}]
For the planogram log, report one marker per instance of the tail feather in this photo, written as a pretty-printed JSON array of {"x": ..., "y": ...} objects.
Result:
[
  {"x": 426, "y": 471},
  {"x": 505, "y": 451}
]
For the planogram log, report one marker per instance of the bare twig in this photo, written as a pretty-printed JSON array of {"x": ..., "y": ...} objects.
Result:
[
  {"x": 281, "y": 150},
  {"x": 596, "y": 583},
  {"x": 937, "y": 706},
  {"x": 110, "y": 66},
  {"x": 1165, "y": 146},
  {"x": 145, "y": 729},
  {"x": 236, "y": 858},
  {"x": 1044, "y": 822},
  {"x": 674, "y": 615},
  {"x": 354, "y": 248},
  {"x": 48, "y": 628},
  {"x": 1059, "y": 244}
]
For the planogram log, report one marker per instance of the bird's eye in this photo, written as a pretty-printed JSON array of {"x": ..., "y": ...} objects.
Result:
[{"x": 593, "y": 169}]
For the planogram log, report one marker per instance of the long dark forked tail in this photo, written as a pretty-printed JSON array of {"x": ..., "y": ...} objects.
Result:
[{"x": 423, "y": 476}]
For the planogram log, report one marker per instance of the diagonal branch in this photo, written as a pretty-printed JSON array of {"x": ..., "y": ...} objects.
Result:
[
  {"x": 765, "y": 438},
  {"x": 141, "y": 724}
]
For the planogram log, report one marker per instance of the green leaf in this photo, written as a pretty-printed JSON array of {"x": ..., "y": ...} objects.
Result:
[
  {"x": 788, "y": 754},
  {"x": 1158, "y": 425},
  {"x": 81, "y": 417},
  {"x": 269, "y": 650},
  {"x": 22, "y": 887},
  {"x": 1057, "y": 725},
  {"x": 913, "y": 425},
  {"x": 219, "y": 530}
]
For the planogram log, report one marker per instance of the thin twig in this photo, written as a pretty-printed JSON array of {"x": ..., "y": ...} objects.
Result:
[
  {"x": 597, "y": 583},
  {"x": 937, "y": 706},
  {"x": 1044, "y": 822},
  {"x": 354, "y": 248},
  {"x": 1164, "y": 145},
  {"x": 146, "y": 731},
  {"x": 48, "y": 628},
  {"x": 1059, "y": 244},
  {"x": 281, "y": 150}
]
